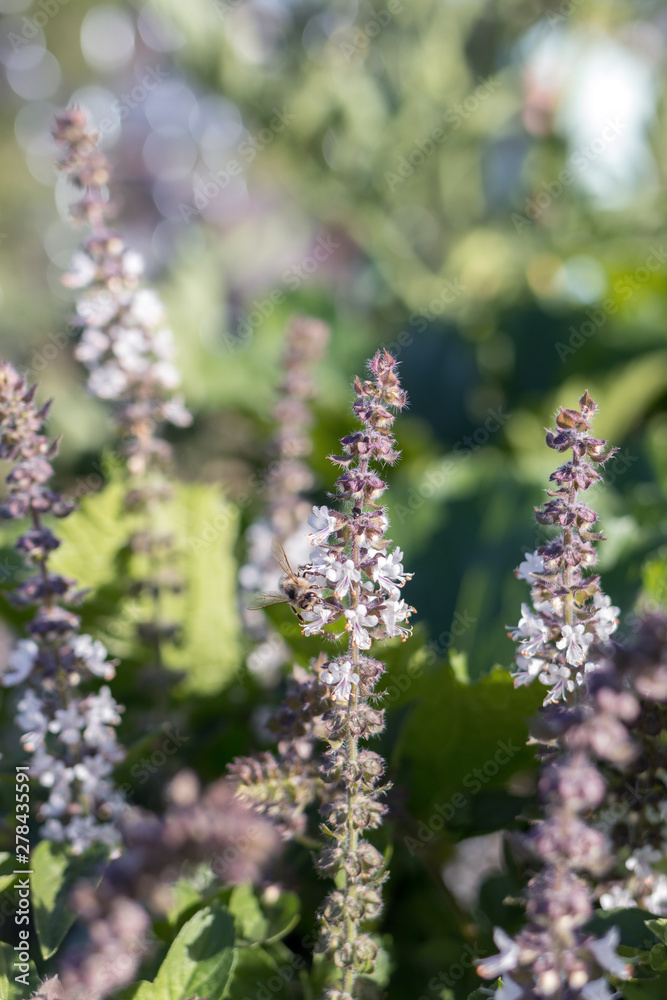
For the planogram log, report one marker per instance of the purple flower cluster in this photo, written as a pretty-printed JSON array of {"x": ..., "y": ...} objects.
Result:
[
  {"x": 569, "y": 610},
  {"x": 71, "y": 736},
  {"x": 359, "y": 581},
  {"x": 560, "y": 641},
  {"x": 126, "y": 344},
  {"x": 355, "y": 581},
  {"x": 553, "y": 956}
]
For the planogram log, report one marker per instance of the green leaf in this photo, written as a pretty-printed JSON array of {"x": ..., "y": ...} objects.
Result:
[
  {"x": 204, "y": 528},
  {"x": 255, "y": 968},
  {"x": 646, "y": 989},
  {"x": 659, "y": 928},
  {"x": 200, "y": 962},
  {"x": 207, "y": 608},
  {"x": 658, "y": 958},
  {"x": 266, "y": 922},
  {"x": 282, "y": 915},
  {"x": 460, "y": 740},
  {"x": 9, "y": 988},
  {"x": 55, "y": 872},
  {"x": 249, "y": 921}
]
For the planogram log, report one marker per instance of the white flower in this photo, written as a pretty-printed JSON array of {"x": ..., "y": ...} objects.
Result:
[
  {"x": 389, "y": 572},
  {"x": 94, "y": 655},
  {"x": 82, "y": 271},
  {"x": 133, "y": 264},
  {"x": 507, "y": 960},
  {"x": 605, "y": 955},
  {"x": 162, "y": 343},
  {"x": 342, "y": 575},
  {"x": 598, "y": 989},
  {"x": 641, "y": 861},
  {"x": 67, "y": 722},
  {"x": 575, "y": 641},
  {"x": 528, "y": 668},
  {"x": 656, "y": 902},
  {"x": 21, "y": 661},
  {"x": 175, "y": 412},
  {"x": 605, "y": 619},
  {"x": 98, "y": 308},
  {"x": 559, "y": 679},
  {"x": 92, "y": 346},
  {"x": 107, "y": 382},
  {"x": 166, "y": 374},
  {"x": 129, "y": 346},
  {"x": 29, "y": 714},
  {"x": 394, "y": 612},
  {"x": 316, "y": 620},
  {"x": 50, "y": 771},
  {"x": 146, "y": 308},
  {"x": 342, "y": 674},
  {"x": 531, "y": 632},
  {"x": 358, "y": 620},
  {"x": 90, "y": 772},
  {"x": 322, "y": 523},
  {"x": 618, "y": 896},
  {"x": 532, "y": 565},
  {"x": 53, "y": 830},
  {"x": 101, "y": 712},
  {"x": 82, "y": 831}
]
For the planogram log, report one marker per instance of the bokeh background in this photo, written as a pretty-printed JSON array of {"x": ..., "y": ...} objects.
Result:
[{"x": 477, "y": 186}]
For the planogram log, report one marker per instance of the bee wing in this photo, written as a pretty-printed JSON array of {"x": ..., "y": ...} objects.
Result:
[
  {"x": 266, "y": 600},
  {"x": 279, "y": 554}
]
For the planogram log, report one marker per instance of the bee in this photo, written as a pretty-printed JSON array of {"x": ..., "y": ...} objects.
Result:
[{"x": 297, "y": 591}]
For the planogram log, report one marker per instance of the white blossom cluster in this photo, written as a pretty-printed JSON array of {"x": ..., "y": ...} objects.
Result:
[
  {"x": 126, "y": 345},
  {"x": 72, "y": 743},
  {"x": 644, "y": 884},
  {"x": 550, "y": 649},
  {"x": 380, "y": 613}
]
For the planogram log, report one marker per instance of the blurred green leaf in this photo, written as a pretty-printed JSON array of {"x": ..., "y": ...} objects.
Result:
[
  {"x": 10, "y": 989},
  {"x": 55, "y": 872},
  {"x": 204, "y": 528},
  {"x": 200, "y": 962},
  {"x": 460, "y": 739}
]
